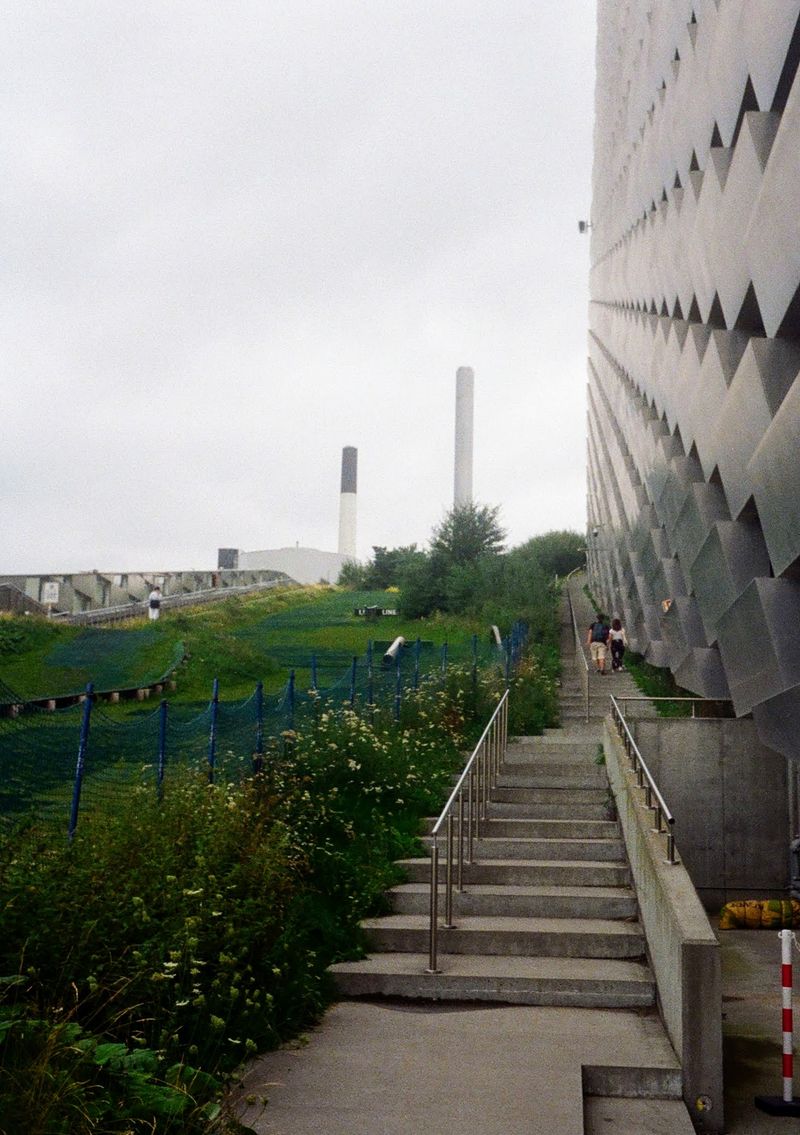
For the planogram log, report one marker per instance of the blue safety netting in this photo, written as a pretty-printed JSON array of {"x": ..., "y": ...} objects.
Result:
[{"x": 220, "y": 739}]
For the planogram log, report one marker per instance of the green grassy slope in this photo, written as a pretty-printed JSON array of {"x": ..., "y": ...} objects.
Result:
[{"x": 240, "y": 641}]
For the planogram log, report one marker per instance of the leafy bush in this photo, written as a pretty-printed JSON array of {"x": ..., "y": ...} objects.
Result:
[{"x": 197, "y": 931}]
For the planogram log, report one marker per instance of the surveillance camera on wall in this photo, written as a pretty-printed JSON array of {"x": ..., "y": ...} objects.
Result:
[{"x": 595, "y": 531}]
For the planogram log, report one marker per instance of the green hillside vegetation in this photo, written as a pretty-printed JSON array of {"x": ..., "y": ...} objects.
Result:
[
  {"x": 240, "y": 641},
  {"x": 39, "y": 658},
  {"x": 180, "y": 933}
]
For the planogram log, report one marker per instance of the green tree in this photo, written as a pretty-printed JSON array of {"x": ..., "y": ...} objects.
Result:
[
  {"x": 387, "y": 566},
  {"x": 353, "y": 575},
  {"x": 559, "y": 552},
  {"x": 468, "y": 532},
  {"x": 422, "y": 587}
]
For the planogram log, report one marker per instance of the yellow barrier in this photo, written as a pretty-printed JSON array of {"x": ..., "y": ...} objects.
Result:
[{"x": 760, "y": 914}]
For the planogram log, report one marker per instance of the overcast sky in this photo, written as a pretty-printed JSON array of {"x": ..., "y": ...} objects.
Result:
[{"x": 239, "y": 235}]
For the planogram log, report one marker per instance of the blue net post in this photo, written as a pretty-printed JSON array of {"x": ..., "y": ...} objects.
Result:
[
  {"x": 398, "y": 689},
  {"x": 290, "y": 700},
  {"x": 417, "y": 648},
  {"x": 444, "y": 660},
  {"x": 258, "y": 755},
  {"x": 314, "y": 672},
  {"x": 508, "y": 661},
  {"x": 83, "y": 744},
  {"x": 474, "y": 667},
  {"x": 370, "y": 683},
  {"x": 162, "y": 746},
  {"x": 353, "y": 666},
  {"x": 212, "y": 733}
]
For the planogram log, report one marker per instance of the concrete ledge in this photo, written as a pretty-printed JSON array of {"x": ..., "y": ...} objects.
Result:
[{"x": 682, "y": 947}]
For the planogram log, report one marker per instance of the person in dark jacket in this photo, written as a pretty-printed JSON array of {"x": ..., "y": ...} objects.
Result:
[{"x": 596, "y": 640}]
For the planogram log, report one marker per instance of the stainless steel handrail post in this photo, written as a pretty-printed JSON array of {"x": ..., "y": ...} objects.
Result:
[
  {"x": 470, "y": 795},
  {"x": 448, "y": 893},
  {"x": 434, "y": 913},
  {"x": 461, "y": 840}
]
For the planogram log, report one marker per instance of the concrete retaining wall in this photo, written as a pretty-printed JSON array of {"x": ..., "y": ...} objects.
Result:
[
  {"x": 728, "y": 794},
  {"x": 93, "y": 591},
  {"x": 682, "y": 947}
]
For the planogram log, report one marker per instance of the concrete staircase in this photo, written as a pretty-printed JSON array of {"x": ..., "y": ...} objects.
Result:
[{"x": 547, "y": 916}]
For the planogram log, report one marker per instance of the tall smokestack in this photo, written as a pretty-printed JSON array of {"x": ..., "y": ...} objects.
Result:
[
  {"x": 465, "y": 388},
  {"x": 347, "y": 502}
]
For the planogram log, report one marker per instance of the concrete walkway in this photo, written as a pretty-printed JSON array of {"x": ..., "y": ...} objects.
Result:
[{"x": 433, "y": 1068}]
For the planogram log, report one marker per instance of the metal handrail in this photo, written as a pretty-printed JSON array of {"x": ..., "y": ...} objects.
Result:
[
  {"x": 579, "y": 653},
  {"x": 477, "y": 779},
  {"x": 693, "y": 700},
  {"x": 138, "y": 607},
  {"x": 644, "y": 778}
]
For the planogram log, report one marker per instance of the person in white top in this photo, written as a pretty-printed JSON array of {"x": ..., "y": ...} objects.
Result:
[
  {"x": 154, "y": 603},
  {"x": 617, "y": 640}
]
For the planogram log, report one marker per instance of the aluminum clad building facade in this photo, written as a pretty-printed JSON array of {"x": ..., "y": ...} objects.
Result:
[{"x": 694, "y": 346}]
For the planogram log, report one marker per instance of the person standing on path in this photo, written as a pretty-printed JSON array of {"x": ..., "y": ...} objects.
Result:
[
  {"x": 154, "y": 603},
  {"x": 596, "y": 641},
  {"x": 617, "y": 640}
]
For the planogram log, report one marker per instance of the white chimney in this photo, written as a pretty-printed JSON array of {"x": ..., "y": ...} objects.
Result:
[
  {"x": 465, "y": 386},
  {"x": 347, "y": 502}
]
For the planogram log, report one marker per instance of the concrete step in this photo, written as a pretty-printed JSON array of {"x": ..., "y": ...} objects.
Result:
[
  {"x": 529, "y": 827},
  {"x": 514, "y": 794},
  {"x": 536, "y": 777},
  {"x": 648, "y": 1082},
  {"x": 531, "y": 901},
  {"x": 607, "y": 1115},
  {"x": 499, "y": 828},
  {"x": 563, "y": 748},
  {"x": 583, "y": 773},
  {"x": 558, "y": 739},
  {"x": 519, "y": 872},
  {"x": 498, "y": 809},
  {"x": 483, "y": 934},
  {"x": 596, "y": 850},
  {"x": 576, "y": 982}
]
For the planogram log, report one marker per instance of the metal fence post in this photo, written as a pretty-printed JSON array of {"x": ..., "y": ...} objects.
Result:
[
  {"x": 474, "y": 666},
  {"x": 81, "y": 763},
  {"x": 162, "y": 745},
  {"x": 370, "y": 686},
  {"x": 417, "y": 645},
  {"x": 290, "y": 696},
  {"x": 398, "y": 689},
  {"x": 258, "y": 755},
  {"x": 314, "y": 672},
  {"x": 212, "y": 733},
  {"x": 353, "y": 681}
]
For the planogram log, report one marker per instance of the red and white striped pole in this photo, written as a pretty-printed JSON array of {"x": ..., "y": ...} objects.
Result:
[
  {"x": 786, "y": 1104},
  {"x": 786, "y": 1015}
]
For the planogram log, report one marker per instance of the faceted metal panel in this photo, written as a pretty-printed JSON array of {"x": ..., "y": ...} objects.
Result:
[
  {"x": 775, "y": 474},
  {"x": 694, "y": 344}
]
